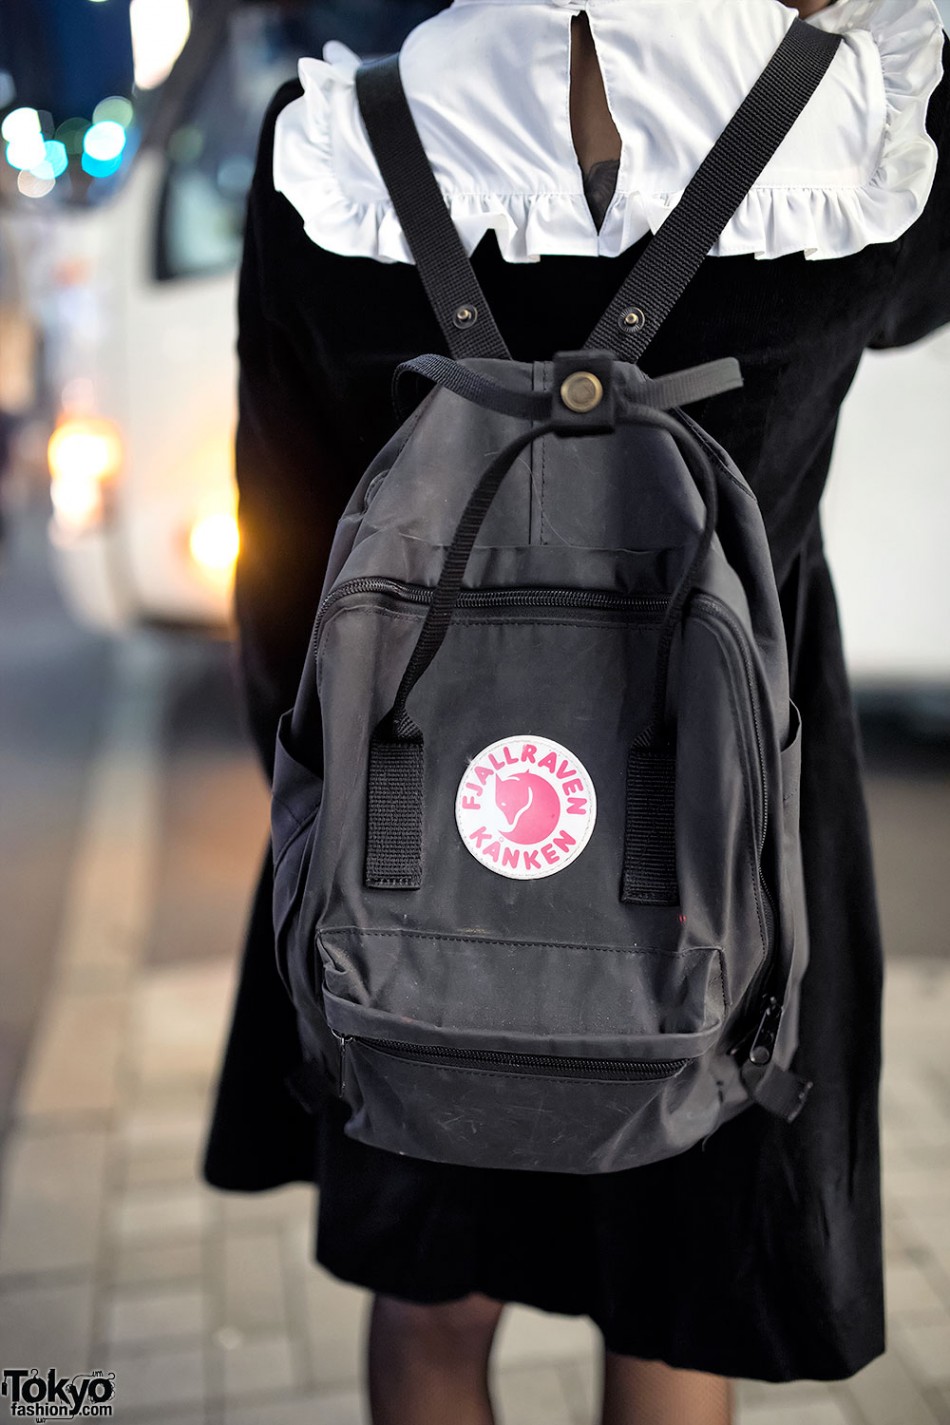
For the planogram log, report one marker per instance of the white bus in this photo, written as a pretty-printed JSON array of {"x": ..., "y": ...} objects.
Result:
[{"x": 142, "y": 322}]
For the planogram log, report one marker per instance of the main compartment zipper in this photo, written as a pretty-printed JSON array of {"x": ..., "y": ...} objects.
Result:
[
  {"x": 720, "y": 611},
  {"x": 530, "y": 597},
  {"x": 706, "y": 604},
  {"x": 540, "y": 1065}
]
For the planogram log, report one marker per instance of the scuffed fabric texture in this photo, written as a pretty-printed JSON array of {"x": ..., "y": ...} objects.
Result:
[{"x": 758, "y": 1254}]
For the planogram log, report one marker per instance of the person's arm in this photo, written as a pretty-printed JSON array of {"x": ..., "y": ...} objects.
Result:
[
  {"x": 920, "y": 297},
  {"x": 292, "y": 482}
]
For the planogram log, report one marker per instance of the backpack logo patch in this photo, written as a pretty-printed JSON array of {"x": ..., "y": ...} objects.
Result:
[{"x": 526, "y": 807}]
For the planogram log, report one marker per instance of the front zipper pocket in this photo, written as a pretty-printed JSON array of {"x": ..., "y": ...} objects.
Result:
[
  {"x": 649, "y": 606},
  {"x": 448, "y": 1045},
  {"x": 641, "y": 608},
  {"x": 540, "y": 1065},
  {"x": 598, "y": 1104}
]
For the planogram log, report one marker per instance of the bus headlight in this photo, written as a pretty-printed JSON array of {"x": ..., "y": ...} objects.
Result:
[
  {"x": 213, "y": 543},
  {"x": 84, "y": 455}
]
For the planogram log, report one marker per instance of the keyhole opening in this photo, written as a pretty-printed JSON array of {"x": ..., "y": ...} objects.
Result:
[{"x": 596, "y": 137}]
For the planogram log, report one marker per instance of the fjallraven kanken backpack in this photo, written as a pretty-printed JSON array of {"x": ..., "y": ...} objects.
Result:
[{"x": 537, "y": 877}]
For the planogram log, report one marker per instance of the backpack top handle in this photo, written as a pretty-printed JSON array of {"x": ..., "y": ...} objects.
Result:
[{"x": 670, "y": 260}]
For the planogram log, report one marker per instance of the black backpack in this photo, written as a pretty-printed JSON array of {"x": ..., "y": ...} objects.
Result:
[{"x": 538, "y": 888}]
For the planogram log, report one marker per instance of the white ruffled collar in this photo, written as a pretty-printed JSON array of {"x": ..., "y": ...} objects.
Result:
[{"x": 856, "y": 169}]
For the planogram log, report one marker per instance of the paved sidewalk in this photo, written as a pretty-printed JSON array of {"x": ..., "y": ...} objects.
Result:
[{"x": 207, "y": 1307}]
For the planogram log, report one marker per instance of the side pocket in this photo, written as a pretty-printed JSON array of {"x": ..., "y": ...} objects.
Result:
[
  {"x": 791, "y": 762},
  {"x": 790, "y": 759},
  {"x": 793, "y": 880},
  {"x": 295, "y": 802}
]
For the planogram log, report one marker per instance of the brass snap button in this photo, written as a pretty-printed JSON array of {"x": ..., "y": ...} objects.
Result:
[
  {"x": 632, "y": 318},
  {"x": 581, "y": 392},
  {"x": 466, "y": 316}
]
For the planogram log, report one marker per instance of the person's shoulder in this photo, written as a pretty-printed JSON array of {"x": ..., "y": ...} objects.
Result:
[
  {"x": 937, "y": 208},
  {"x": 263, "y": 193},
  {"x": 276, "y": 225},
  {"x": 938, "y": 111},
  {"x": 285, "y": 94}
]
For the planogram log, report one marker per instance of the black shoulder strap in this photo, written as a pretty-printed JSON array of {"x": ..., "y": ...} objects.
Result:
[
  {"x": 447, "y": 275},
  {"x": 670, "y": 261},
  {"x": 658, "y": 279}
]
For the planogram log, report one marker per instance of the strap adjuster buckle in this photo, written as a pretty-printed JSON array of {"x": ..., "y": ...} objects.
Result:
[{"x": 582, "y": 398}]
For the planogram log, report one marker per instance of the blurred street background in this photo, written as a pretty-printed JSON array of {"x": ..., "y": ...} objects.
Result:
[{"x": 133, "y": 815}]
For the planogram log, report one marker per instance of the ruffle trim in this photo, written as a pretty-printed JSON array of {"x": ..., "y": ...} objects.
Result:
[{"x": 324, "y": 166}]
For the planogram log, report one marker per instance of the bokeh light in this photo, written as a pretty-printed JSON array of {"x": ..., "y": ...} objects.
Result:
[
  {"x": 115, "y": 109},
  {"x": 104, "y": 141},
  {"x": 71, "y": 133},
  {"x": 101, "y": 167},
  {"x": 87, "y": 448},
  {"x": 57, "y": 160},
  {"x": 159, "y": 30},
  {"x": 26, "y": 150},
  {"x": 32, "y": 186},
  {"x": 213, "y": 542},
  {"x": 26, "y": 147},
  {"x": 20, "y": 123}
]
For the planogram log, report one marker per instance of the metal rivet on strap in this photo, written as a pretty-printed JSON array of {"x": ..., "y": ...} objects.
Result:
[
  {"x": 632, "y": 318},
  {"x": 466, "y": 316},
  {"x": 581, "y": 391}
]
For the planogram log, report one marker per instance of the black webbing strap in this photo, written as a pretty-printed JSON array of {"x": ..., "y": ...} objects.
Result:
[
  {"x": 664, "y": 393},
  {"x": 451, "y": 285},
  {"x": 672, "y": 258},
  {"x": 649, "y": 848},
  {"x": 395, "y": 806}
]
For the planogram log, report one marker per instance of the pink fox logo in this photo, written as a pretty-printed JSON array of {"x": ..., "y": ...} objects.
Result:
[
  {"x": 525, "y": 807},
  {"x": 530, "y": 805}
]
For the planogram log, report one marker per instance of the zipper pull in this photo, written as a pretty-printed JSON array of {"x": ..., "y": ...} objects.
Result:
[{"x": 763, "y": 1041}]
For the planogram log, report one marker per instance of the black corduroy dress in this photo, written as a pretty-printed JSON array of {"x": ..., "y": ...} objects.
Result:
[{"x": 757, "y": 1254}]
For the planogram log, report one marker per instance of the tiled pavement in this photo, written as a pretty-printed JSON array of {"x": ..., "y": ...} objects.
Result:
[{"x": 208, "y": 1307}]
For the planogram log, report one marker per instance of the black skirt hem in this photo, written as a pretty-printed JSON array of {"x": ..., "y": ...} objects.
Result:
[{"x": 618, "y": 1342}]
